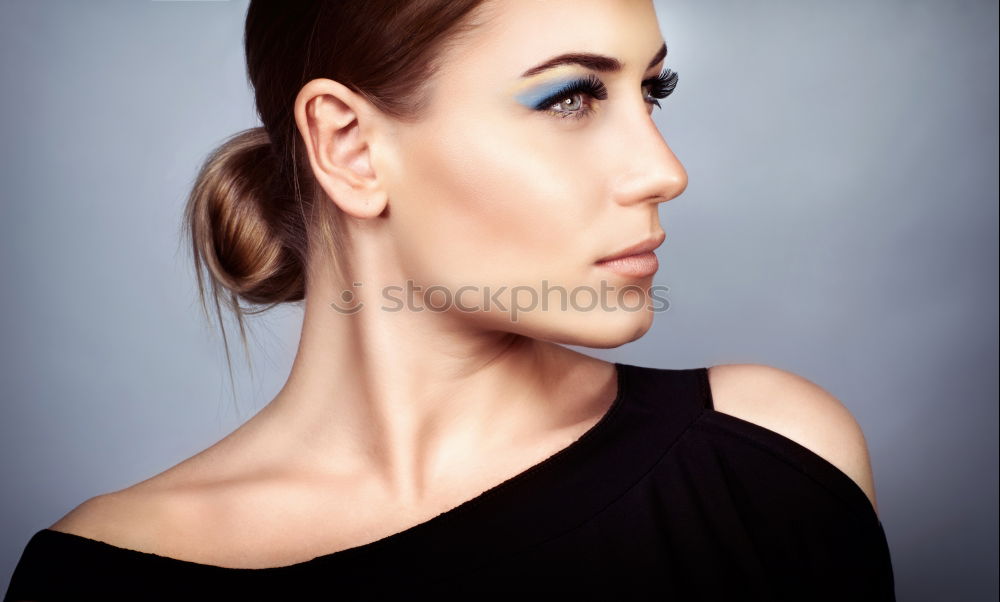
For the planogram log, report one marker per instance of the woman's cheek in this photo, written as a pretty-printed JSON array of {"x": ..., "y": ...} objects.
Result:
[{"x": 485, "y": 202}]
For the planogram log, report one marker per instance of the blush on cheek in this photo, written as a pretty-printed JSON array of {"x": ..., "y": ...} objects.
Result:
[{"x": 479, "y": 197}]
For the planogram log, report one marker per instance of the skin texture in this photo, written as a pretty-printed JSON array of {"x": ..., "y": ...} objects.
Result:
[
  {"x": 483, "y": 192},
  {"x": 391, "y": 417}
]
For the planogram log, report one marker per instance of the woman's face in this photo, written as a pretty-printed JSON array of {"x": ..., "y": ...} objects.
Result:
[{"x": 510, "y": 182}]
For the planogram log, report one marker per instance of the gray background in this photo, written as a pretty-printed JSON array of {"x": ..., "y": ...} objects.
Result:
[{"x": 840, "y": 223}]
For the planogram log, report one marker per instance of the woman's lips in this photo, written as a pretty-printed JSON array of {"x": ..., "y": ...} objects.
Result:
[{"x": 637, "y": 266}]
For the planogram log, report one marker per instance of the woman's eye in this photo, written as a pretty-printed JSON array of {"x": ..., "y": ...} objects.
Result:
[
  {"x": 650, "y": 99},
  {"x": 563, "y": 103},
  {"x": 571, "y": 106},
  {"x": 572, "y": 102},
  {"x": 661, "y": 86}
]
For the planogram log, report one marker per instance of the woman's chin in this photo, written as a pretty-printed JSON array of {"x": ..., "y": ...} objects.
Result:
[
  {"x": 595, "y": 329},
  {"x": 609, "y": 332}
]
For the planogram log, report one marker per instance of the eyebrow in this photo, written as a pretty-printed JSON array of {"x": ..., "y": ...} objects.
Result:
[{"x": 594, "y": 62}]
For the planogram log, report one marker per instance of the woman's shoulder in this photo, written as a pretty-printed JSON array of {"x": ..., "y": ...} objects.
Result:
[
  {"x": 143, "y": 518},
  {"x": 798, "y": 409},
  {"x": 164, "y": 513},
  {"x": 95, "y": 549},
  {"x": 171, "y": 511}
]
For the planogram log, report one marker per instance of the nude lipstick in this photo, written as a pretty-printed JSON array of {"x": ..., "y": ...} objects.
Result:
[{"x": 636, "y": 261}]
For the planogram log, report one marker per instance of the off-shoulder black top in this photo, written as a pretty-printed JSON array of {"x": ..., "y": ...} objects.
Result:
[{"x": 664, "y": 498}]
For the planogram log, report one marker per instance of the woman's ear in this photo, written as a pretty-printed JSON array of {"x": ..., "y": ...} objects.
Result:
[{"x": 333, "y": 122}]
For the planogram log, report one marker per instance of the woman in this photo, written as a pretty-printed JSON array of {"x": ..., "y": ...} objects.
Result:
[{"x": 456, "y": 189}]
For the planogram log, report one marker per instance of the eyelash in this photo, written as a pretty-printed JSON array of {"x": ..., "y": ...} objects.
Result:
[{"x": 661, "y": 87}]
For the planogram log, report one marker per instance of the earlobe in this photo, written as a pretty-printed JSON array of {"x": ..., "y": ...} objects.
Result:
[{"x": 329, "y": 118}]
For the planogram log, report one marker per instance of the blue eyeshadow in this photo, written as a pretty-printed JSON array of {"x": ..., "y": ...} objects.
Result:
[{"x": 532, "y": 97}]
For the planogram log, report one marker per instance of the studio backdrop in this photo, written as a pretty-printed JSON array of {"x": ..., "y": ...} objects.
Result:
[{"x": 840, "y": 222}]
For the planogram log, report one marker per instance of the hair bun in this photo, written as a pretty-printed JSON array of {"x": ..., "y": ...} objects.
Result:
[{"x": 231, "y": 218}]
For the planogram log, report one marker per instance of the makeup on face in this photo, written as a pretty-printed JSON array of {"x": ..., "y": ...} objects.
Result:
[
  {"x": 641, "y": 265},
  {"x": 535, "y": 89},
  {"x": 563, "y": 79},
  {"x": 534, "y": 96}
]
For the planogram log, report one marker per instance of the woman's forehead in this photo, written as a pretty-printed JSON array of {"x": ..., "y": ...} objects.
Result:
[{"x": 513, "y": 37}]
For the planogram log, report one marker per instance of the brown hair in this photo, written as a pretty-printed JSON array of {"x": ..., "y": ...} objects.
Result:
[{"x": 254, "y": 211}]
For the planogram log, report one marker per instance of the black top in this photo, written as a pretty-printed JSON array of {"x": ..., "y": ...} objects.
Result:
[{"x": 664, "y": 498}]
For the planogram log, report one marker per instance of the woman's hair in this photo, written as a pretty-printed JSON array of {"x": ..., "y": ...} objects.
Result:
[{"x": 254, "y": 211}]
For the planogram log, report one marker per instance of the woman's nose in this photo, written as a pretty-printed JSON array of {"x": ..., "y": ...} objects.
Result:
[{"x": 649, "y": 170}]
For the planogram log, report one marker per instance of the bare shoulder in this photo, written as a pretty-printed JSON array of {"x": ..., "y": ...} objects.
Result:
[
  {"x": 132, "y": 518},
  {"x": 157, "y": 515},
  {"x": 160, "y": 513},
  {"x": 94, "y": 517},
  {"x": 799, "y": 409},
  {"x": 229, "y": 506}
]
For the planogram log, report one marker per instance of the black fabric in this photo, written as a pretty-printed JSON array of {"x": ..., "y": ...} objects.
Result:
[{"x": 664, "y": 498}]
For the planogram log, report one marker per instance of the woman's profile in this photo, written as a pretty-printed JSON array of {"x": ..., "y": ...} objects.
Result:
[{"x": 455, "y": 190}]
